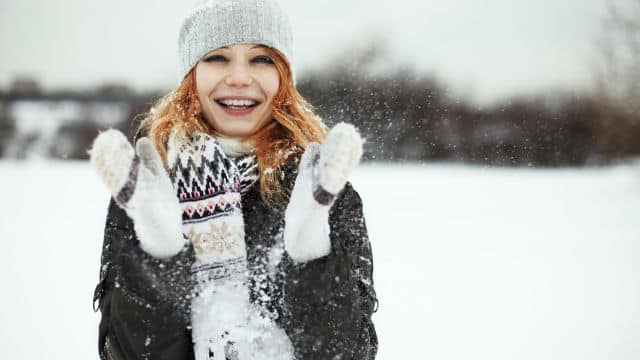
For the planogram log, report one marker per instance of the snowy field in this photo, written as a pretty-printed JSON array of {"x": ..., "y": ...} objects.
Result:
[{"x": 470, "y": 263}]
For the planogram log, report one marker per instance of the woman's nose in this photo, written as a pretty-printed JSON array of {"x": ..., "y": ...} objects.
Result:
[{"x": 239, "y": 75}]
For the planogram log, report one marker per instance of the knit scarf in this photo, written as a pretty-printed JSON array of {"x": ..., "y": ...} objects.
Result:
[{"x": 209, "y": 185}]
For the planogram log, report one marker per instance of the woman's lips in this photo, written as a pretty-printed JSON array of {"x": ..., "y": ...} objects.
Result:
[
  {"x": 237, "y": 106},
  {"x": 238, "y": 112}
]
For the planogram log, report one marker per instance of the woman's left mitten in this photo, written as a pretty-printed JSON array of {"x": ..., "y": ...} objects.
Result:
[
  {"x": 339, "y": 154},
  {"x": 140, "y": 185},
  {"x": 322, "y": 173}
]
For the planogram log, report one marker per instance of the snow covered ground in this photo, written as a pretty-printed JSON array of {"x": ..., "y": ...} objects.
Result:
[{"x": 470, "y": 263}]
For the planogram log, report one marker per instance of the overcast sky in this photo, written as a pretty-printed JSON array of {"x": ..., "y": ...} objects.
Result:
[{"x": 485, "y": 49}]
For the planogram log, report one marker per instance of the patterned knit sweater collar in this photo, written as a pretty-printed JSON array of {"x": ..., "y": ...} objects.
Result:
[{"x": 234, "y": 147}]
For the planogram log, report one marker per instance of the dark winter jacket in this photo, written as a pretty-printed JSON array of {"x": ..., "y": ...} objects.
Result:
[{"x": 324, "y": 305}]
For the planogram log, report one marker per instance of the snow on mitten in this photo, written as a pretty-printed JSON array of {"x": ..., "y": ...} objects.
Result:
[
  {"x": 140, "y": 185},
  {"x": 322, "y": 173}
]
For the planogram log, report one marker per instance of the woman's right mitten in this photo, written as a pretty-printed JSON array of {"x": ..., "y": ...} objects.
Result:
[{"x": 140, "y": 185}]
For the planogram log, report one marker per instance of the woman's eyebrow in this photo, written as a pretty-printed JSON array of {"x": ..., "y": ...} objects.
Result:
[
  {"x": 227, "y": 48},
  {"x": 253, "y": 47}
]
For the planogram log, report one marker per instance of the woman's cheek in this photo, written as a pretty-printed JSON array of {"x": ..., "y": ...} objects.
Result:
[{"x": 271, "y": 83}]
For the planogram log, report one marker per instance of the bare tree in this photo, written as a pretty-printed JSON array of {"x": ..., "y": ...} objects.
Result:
[{"x": 618, "y": 80}]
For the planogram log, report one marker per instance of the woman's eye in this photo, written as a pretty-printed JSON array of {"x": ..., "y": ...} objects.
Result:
[
  {"x": 263, "y": 59},
  {"x": 215, "y": 58}
]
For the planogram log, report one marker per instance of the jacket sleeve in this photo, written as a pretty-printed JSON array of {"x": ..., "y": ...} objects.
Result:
[
  {"x": 349, "y": 230},
  {"x": 144, "y": 301},
  {"x": 331, "y": 299},
  {"x": 102, "y": 292}
]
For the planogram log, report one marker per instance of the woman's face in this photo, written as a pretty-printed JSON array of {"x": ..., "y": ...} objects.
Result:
[{"x": 236, "y": 85}]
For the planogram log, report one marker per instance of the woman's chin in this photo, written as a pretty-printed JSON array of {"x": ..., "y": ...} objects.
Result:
[
  {"x": 240, "y": 128},
  {"x": 236, "y": 132}
]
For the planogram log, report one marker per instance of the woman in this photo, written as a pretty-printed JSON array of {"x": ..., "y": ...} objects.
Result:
[{"x": 231, "y": 232}]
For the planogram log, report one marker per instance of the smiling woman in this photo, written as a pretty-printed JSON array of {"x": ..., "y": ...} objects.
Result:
[
  {"x": 236, "y": 85},
  {"x": 233, "y": 232}
]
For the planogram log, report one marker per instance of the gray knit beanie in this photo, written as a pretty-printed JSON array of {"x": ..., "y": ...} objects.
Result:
[{"x": 216, "y": 23}]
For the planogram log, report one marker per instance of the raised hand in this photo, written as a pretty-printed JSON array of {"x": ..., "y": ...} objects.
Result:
[
  {"x": 339, "y": 154},
  {"x": 140, "y": 185},
  {"x": 322, "y": 173}
]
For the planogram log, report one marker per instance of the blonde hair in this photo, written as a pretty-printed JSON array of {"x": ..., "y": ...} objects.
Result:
[{"x": 294, "y": 126}]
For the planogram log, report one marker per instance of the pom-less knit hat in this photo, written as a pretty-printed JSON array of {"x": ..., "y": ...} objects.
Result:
[{"x": 216, "y": 23}]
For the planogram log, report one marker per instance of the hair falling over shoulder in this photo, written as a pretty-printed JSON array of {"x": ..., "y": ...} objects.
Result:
[{"x": 294, "y": 126}]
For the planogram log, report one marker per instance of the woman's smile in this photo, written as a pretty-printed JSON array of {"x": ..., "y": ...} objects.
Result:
[{"x": 237, "y": 105}]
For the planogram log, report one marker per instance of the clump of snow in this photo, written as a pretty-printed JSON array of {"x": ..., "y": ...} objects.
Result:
[{"x": 226, "y": 311}]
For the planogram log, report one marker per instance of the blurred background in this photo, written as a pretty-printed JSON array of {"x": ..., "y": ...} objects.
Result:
[
  {"x": 533, "y": 83},
  {"x": 500, "y": 173}
]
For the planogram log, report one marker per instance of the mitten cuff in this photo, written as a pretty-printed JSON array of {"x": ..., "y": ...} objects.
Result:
[
  {"x": 306, "y": 235},
  {"x": 306, "y": 230},
  {"x": 126, "y": 192}
]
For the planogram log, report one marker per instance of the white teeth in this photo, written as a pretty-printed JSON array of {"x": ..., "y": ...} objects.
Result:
[{"x": 233, "y": 102}]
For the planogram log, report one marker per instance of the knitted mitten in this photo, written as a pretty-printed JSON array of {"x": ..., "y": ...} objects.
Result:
[
  {"x": 208, "y": 185},
  {"x": 140, "y": 185},
  {"x": 322, "y": 173}
]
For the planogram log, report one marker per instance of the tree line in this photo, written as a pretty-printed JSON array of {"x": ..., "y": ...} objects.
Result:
[{"x": 403, "y": 117}]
